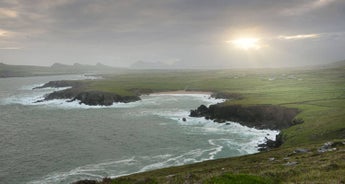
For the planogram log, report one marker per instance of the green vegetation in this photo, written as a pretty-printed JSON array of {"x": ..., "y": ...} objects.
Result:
[{"x": 318, "y": 93}]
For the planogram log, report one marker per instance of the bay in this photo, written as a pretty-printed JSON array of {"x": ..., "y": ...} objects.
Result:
[{"x": 61, "y": 142}]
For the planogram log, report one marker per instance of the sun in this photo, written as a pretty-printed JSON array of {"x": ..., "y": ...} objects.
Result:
[{"x": 246, "y": 43}]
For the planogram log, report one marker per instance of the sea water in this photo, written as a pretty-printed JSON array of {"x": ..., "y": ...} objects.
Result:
[{"x": 62, "y": 142}]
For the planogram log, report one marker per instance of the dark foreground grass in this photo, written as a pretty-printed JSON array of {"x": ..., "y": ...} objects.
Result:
[
  {"x": 238, "y": 179},
  {"x": 318, "y": 93}
]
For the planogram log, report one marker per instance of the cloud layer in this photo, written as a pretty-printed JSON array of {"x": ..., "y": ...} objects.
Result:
[{"x": 191, "y": 33}]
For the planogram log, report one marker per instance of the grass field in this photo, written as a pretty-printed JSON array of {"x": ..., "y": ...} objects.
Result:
[{"x": 318, "y": 93}]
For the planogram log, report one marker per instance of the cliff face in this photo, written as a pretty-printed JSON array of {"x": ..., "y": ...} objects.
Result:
[{"x": 258, "y": 116}]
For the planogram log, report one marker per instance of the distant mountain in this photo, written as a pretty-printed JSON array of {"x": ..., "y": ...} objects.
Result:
[
  {"x": 77, "y": 67},
  {"x": 55, "y": 69},
  {"x": 19, "y": 70}
]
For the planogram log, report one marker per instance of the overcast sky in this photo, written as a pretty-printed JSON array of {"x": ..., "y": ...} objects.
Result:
[{"x": 183, "y": 33}]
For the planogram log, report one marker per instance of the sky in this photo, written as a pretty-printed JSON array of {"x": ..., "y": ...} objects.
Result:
[{"x": 173, "y": 33}]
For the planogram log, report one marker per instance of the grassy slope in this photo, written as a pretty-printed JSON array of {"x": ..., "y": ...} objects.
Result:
[
  {"x": 318, "y": 93},
  {"x": 311, "y": 167}
]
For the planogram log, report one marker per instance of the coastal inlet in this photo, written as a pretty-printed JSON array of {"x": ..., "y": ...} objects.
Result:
[{"x": 57, "y": 141}]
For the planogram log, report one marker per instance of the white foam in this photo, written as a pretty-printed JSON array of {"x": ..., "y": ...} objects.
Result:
[
  {"x": 250, "y": 137},
  {"x": 66, "y": 104},
  {"x": 193, "y": 156},
  {"x": 30, "y": 97},
  {"x": 87, "y": 171},
  {"x": 217, "y": 150},
  {"x": 211, "y": 126},
  {"x": 30, "y": 87},
  {"x": 120, "y": 167}
]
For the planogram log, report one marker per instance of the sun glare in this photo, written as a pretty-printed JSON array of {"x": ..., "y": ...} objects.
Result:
[{"x": 246, "y": 43}]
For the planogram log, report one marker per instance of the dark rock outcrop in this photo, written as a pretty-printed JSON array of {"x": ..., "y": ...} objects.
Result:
[
  {"x": 201, "y": 111},
  {"x": 270, "y": 144},
  {"x": 257, "y": 116},
  {"x": 77, "y": 92},
  {"x": 102, "y": 98},
  {"x": 63, "y": 94}
]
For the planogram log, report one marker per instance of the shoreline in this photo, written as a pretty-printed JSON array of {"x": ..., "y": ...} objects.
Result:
[{"x": 255, "y": 116}]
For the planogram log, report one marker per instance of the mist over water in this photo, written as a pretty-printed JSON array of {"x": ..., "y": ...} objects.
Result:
[{"x": 60, "y": 142}]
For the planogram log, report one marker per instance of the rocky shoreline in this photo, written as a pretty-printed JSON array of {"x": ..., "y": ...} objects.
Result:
[
  {"x": 256, "y": 116},
  {"x": 87, "y": 97}
]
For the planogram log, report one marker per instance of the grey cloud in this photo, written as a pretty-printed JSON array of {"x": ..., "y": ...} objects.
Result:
[{"x": 124, "y": 31}]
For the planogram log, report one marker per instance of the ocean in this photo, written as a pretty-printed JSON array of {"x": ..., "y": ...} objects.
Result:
[{"x": 57, "y": 142}]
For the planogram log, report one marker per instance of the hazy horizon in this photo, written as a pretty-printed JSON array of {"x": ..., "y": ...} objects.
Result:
[{"x": 173, "y": 33}]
